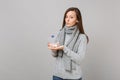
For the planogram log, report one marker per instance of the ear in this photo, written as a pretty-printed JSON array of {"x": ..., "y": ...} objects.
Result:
[{"x": 77, "y": 21}]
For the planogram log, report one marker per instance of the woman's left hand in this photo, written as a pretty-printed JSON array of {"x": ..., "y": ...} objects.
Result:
[{"x": 59, "y": 47}]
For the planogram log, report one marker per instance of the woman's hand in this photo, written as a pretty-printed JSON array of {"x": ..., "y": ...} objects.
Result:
[{"x": 55, "y": 47}]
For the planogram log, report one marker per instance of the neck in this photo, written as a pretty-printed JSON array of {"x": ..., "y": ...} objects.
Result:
[{"x": 69, "y": 30}]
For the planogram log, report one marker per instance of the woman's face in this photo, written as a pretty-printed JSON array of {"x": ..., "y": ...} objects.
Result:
[{"x": 70, "y": 19}]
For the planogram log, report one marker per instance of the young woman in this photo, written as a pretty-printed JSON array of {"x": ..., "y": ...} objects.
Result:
[{"x": 70, "y": 47}]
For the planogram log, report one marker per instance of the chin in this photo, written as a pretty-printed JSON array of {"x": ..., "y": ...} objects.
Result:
[{"x": 69, "y": 25}]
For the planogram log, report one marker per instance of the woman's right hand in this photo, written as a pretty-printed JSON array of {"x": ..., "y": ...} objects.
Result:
[
  {"x": 55, "y": 47},
  {"x": 52, "y": 46}
]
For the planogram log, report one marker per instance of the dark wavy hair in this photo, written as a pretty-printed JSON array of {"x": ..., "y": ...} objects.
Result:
[{"x": 79, "y": 18}]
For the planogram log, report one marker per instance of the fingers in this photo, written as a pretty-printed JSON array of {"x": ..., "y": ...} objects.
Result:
[
  {"x": 60, "y": 47},
  {"x": 49, "y": 44},
  {"x": 55, "y": 46},
  {"x": 52, "y": 47}
]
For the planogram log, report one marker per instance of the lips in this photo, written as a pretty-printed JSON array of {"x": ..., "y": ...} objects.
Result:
[{"x": 67, "y": 23}]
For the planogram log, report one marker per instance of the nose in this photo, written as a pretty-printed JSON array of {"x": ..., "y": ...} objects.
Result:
[{"x": 67, "y": 20}]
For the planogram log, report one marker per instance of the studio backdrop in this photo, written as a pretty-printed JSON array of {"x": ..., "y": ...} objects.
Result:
[{"x": 26, "y": 24}]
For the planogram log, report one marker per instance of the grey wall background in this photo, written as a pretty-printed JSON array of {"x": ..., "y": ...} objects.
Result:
[{"x": 26, "y": 24}]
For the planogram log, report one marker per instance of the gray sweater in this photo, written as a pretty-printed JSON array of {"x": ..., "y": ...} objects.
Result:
[{"x": 76, "y": 57}]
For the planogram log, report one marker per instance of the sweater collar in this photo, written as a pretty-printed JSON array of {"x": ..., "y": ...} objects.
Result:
[{"x": 69, "y": 30}]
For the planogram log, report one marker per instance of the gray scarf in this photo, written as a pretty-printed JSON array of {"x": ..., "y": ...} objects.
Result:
[{"x": 72, "y": 44}]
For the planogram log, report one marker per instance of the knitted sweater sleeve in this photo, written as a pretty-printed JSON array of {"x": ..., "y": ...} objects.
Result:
[{"x": 77, "y": 57}]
